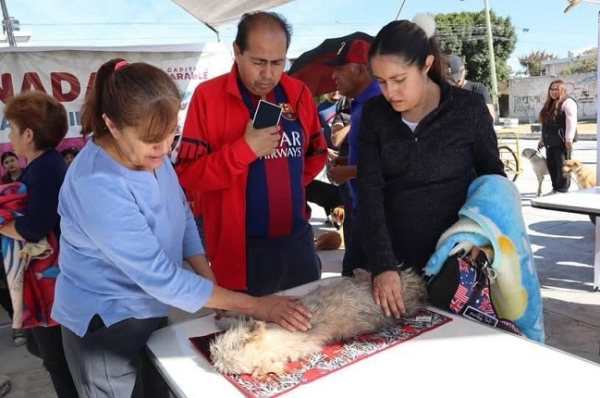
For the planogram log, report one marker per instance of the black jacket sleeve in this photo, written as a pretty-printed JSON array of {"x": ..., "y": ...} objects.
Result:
[
  {"x": 486, "y": 156},
  {"x": 370, "y": 181}
]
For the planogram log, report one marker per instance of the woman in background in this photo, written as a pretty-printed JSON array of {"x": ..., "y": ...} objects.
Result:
[
  {"x": 69, "y": 154},
  {"x": 559, "y": 130},
  {"x": 12, "y": 170}
]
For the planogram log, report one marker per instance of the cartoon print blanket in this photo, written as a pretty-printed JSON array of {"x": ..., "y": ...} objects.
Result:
[
  {"x": 31, "y": 267},
  {"x": 492, "y": 215}
]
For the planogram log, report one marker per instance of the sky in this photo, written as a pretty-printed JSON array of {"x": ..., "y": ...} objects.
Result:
[{"x": 540, "y": 24}]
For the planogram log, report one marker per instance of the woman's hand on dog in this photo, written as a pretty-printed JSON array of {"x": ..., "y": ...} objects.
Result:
[
  {"x": 286, "y": 311},
  {"x": 387, "y": 293}
]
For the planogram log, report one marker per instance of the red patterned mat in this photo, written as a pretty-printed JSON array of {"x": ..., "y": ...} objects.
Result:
[{"x": 331, "y": 358}]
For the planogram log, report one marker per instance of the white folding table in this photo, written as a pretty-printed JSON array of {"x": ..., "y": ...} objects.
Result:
[
  {"x": 583, "y": 201},
  {"x": 458, "y": 359}
]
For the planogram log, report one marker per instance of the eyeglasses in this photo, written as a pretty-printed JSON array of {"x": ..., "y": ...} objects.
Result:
[{"x": 553, "y": 89}]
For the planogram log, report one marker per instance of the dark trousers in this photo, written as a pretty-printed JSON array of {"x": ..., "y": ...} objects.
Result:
[
  {"x": 112, "y": 361},
  {"x": 47, "y": 344},
  {"x": 328, "y": 196},
  {"x": 5, "y": 300},
  {"x": 555, "y": 157},
  {"x": 200, "y": 225},
  {"x": 354, "y": 254},
  {"x": 280, "y": 263}
]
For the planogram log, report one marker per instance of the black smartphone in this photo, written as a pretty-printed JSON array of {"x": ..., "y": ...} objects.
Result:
[{"x": 266, "y": 115}]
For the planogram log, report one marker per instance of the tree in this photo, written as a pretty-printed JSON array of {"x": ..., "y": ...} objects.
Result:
[
  {"x": 586, "y": 62},
  {"x": 465, "y": 34},
  {"x": 533, "y": 61}
]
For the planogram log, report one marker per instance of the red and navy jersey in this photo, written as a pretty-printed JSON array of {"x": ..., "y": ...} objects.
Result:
[{"x": 275, "y": 199}]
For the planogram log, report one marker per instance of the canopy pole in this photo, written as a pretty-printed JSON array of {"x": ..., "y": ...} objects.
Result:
[
  {"x": 400, "y": 10},
  {"x": 214, "y": 30}
]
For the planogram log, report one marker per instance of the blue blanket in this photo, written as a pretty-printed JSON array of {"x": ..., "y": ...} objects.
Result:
[{"x": 492, "y": 216}]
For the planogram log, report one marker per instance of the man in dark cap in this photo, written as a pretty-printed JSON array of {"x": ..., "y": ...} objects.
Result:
[
  {"x": 457, "y": 72},
  {"x": 353, "y": 79}
]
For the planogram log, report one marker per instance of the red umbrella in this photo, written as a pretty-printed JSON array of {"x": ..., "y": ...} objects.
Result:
[{"x": 310, "y": 66}]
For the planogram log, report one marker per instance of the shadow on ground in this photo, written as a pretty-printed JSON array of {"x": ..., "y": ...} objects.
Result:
[{"x": 563, "y": 252}]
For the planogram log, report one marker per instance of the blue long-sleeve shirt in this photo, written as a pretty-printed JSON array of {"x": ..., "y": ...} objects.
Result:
[
  {"x": 124, "y": 236},
  {"x": 356, "y": 106}
]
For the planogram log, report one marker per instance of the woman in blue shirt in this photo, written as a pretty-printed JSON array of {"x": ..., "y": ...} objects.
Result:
[{"x": 126, "y": 227}]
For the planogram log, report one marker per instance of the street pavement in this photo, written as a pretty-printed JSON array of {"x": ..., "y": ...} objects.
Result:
[{"x": 563, "y": 246}]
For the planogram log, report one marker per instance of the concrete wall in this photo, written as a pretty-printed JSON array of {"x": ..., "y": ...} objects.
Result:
[{"x": 527, "y": 95}]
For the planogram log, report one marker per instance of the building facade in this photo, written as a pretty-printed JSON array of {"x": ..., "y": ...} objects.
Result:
[{"x": 527, "y": 95}]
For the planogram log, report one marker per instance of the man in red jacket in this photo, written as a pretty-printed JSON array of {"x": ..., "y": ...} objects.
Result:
[{"x": 248, "y": 184}]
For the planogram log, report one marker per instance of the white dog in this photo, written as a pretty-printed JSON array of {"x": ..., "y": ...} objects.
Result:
[{"x": 540, "y": 167}]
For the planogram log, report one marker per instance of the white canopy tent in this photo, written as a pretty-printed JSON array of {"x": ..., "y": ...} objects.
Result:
[{"x": 214, "y": 13}]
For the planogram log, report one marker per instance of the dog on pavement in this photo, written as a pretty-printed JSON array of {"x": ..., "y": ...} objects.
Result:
[
  {"x": 585, "y": 176},
  {"x": 540, "y": 167},
  {"x": 332, "y": 240},
  {"x": 337, "y": 215},
  {"x": 340, "y": 310},
  {"x": 329, "y": 240}
]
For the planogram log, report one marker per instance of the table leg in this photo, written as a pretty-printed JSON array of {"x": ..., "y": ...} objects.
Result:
[{"x": 597, "y": 257}]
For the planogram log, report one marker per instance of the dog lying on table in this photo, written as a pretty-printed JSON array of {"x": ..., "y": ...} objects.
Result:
[{"x": 340, "y": 310}]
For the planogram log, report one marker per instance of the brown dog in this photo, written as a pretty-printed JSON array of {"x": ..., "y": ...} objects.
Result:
[
  {"x": 338, "y": 214},
  {"x": 586, "y": 177},
  {"x": 329, "y": 240},
  {"x": 332, "y": 240}
]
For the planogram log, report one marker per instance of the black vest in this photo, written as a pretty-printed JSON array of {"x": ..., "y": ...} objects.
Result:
[{"x": 553, "y": 131}]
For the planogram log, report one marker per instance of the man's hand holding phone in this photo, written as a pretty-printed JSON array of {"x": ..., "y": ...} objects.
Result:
[
  {"x": 262, "y": 134},
  {"x": 262, "y": 141}
]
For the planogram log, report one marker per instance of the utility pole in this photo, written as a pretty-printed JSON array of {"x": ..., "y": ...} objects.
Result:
[
  {"x": 492, "y": 56},
  {"x": 8, "y": 27}
]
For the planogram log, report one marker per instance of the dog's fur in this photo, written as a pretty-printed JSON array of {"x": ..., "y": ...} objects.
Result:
[
  {"x": 332, "y": 240},
  {"x": 585, "y": 176},
  {"x": 340, "y": 310},
  {"x": 540, "y": 167},
  {"x": 329, "y": 240}
]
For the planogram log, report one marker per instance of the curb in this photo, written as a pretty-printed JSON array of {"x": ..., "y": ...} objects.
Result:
[{"x": 534, "y": 136}]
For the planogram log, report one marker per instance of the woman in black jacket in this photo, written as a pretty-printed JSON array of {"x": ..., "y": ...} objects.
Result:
[
  {"x": 559, "y": 129},
  {"x": 421, "y": 143}
]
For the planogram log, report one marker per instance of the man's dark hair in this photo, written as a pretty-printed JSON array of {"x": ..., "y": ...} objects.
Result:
[{"x": 253, "y": 20}]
